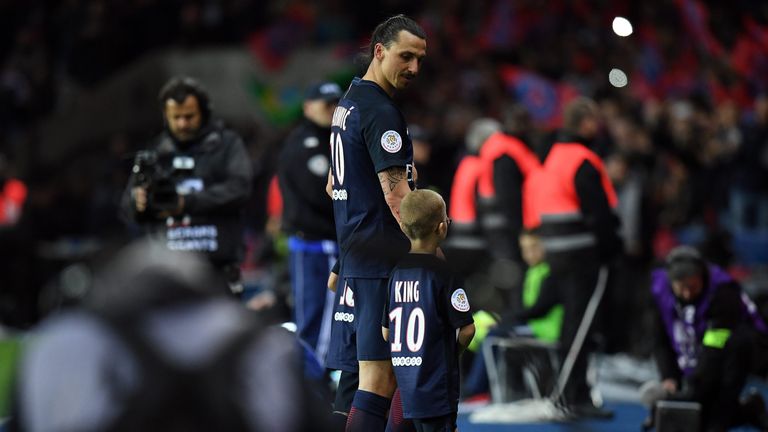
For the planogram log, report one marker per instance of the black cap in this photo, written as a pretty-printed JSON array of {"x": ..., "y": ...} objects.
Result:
[
  {"x": 328, "y": 90},
  {"x": 685, "y": 261}
]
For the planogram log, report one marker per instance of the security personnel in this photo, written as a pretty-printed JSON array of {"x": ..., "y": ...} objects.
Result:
[
  {"x": 307, "y": 216},
  {"x": 508, "y": 161},
  {"x": 571, "y": 201},
  {"x": 466, "y": 246},
  {"x": 190, "y": 189}
]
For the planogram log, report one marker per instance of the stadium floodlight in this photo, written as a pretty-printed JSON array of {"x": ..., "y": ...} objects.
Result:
[
  {"x": 622, "y": 26},
  {"x": 617, "y": 78}
]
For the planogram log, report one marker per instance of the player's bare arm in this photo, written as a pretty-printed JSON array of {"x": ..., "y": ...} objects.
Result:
[
  {"x": 329, "y": 185},
  {"x": 465, "y": 336},
  {"x": 394, "y": 184},
  {"x": 333, "y": 279}
]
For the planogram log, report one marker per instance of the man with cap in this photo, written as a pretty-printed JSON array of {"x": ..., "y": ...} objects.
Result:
[
  {"x": 707, "y": 342},
  {"x": 308, "y": 215}
]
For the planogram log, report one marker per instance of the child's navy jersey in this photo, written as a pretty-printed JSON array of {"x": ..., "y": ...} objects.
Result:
[
  {"x": 368, "y": 135},
  {"x": 426, "y": 305}
]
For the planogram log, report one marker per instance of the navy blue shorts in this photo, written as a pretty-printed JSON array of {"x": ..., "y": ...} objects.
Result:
[
  {"x": 370, "y": 296},
  {"x": 342, "y": 349}
]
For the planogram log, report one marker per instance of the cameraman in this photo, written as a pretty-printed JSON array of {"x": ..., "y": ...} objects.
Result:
[{"x": 190, "y": 188}]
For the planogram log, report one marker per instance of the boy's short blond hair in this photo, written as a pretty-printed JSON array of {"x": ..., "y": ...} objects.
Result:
[{"x": 421, "y": 211}]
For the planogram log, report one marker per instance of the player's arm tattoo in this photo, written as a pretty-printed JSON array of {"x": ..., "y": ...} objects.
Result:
[
  {"x": 390, "y": 178},
  {"x": 394, "y": 184}
]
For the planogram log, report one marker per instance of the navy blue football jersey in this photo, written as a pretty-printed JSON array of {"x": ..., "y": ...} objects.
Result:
[
  {"x": 426, "y": 306},
  {"x": 368, "y": 135}
]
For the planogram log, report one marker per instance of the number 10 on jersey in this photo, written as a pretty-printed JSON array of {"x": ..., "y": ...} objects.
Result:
[
  {"x": 414, "y": 331},
  {"x": 337, "y": 158}
]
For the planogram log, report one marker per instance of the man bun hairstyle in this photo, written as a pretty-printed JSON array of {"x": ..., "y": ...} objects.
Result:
[
  {"x": 685, "y": 261},
  {"x": 386, "y": 33},
  {"x": 179, "y": 87}
]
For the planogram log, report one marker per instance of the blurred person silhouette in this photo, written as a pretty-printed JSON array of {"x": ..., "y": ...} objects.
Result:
[
  {"x": 178, "y": 354},
  {"x": 421, "y": 139},
  {"x": 13, "y": 193},
  {"x": 307, "y": 216},
  {"x": 571, "y": 201},
  {"x": 748, "y": 205},
  {"x": 466, "y": 247},
  {"x": 508, "y": 161},
  {"x": 190, "y": 188},
  {"x": 709, "y": 338},
  {"x": 540, "y": 318}
]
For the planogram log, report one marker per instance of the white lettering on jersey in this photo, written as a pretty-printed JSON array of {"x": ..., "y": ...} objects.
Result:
[
  {"x": 340, "y": 115},
  {"x": 391, "y": 141},
  {"x": 406, "y": 291}
]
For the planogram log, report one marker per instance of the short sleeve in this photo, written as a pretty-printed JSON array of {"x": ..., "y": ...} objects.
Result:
[
  {"x": 456, "y": 303},
  {"x": 386, "y": 136}
]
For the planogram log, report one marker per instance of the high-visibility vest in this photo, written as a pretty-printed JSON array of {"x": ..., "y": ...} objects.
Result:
[
  {"x": 550, "y": 201},
  {"x": 499, "y": 145},
  {"x": 463, "y": 208},
  {"x": 496, "y": 146}
]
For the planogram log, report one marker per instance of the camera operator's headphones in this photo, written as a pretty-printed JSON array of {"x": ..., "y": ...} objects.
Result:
[
  {"x": 682, "y": 260},
  {"x": 178, "y": 88}
]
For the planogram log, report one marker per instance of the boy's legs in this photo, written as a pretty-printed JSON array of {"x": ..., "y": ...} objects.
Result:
[{"x": 396, "y": 422}]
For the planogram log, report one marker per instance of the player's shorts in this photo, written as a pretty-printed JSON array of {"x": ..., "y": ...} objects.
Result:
[
  {"x": 342, "y": 349},
  {"x": 370, "y": 296}
]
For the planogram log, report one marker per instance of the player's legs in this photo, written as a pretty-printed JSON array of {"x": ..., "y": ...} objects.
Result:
[
  {"x": 342, "y": 352},
  {"x": 377, "y": 377},
  {"x": 377, "y": 380},
  {"x": 396, "y": 422},
  {"x": 342, "y": 403},
  {"x": 446, "y": 423}
]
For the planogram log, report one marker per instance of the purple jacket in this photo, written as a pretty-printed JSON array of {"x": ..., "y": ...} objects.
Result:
[{"x": 685, "y": 324}]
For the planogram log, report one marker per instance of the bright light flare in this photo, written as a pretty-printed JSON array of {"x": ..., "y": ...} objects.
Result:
[
  {"x": 617, "y": 78},
  {"x": 622, "y": 26}
]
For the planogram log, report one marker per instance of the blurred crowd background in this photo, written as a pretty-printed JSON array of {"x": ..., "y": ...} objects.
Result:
[{"x": 685, "y": 141}]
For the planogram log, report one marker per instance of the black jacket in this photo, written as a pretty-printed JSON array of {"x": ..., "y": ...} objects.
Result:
[
  {"x": 302, "y": 173},
  {"x": 216, "y": 190}
]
